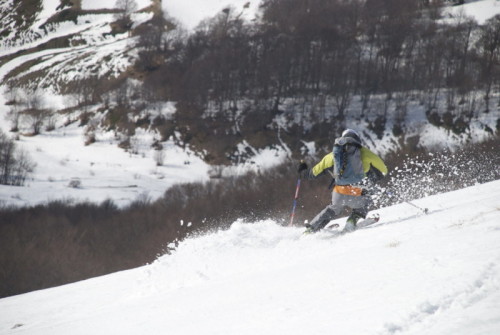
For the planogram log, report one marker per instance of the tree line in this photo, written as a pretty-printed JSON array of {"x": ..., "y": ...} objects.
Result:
[{"x": 341, "y": 49}]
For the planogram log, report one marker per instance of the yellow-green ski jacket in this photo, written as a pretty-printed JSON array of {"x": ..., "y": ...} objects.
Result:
[{"x": 368, "y": 158}]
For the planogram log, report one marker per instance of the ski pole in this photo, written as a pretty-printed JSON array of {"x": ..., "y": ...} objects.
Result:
[
  {"x": 295, "y": 201},
  {"x": 424, "y": 210}
]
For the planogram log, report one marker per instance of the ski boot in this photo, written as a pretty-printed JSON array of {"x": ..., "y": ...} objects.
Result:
[
  {"x": 351, "y": 222},
  {"x": 310, "y": 229}
]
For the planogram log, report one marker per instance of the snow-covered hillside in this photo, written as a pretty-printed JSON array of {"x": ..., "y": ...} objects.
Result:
[
  {"x": 480, "y": 10},
  {"x": 409, "y": 274},
  {"x": 191, "y": 13},
  {"x": 66, "y": 169},
  {"x": 103, "y": 169}
]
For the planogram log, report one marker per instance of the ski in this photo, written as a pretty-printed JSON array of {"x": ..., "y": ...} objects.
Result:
[
  {"x": 333, "y": 227},
  {"x": 368, "y": 221}
]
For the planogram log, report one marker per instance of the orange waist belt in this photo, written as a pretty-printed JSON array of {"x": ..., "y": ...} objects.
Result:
[{"x": 348, "y": 190}]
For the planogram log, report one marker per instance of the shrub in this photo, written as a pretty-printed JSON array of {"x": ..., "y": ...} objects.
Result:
[
  {"x": 75, "y": 183},
  {"x": 159, "y": 157}
]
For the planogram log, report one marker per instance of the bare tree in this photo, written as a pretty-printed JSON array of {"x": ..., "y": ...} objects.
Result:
[
  {"x": 14, "y": 117},
  {"x": 15, "y": 165},
  {"x": 14, "y": 101},
  {"x": 159, "y": 157},
  {"x": 86, "y": 91},
  {"x": 34, "y": 115},
  {"x": 126, "y": 8},
  {"x": 34, "y": 100},
  {"x": 489, "y": 47},
  {"x": 153, "y": 43},
  {"x": 35, "y": 119}
]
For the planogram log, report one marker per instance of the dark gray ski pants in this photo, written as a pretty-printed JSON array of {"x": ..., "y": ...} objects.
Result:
[{"x": 358, "y": 204}]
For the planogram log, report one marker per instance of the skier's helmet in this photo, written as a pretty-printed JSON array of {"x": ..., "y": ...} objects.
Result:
[{"x": 352, "y": 134}]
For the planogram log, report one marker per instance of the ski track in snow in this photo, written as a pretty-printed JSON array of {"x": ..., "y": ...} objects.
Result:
[{"x": 420, "y": 320}]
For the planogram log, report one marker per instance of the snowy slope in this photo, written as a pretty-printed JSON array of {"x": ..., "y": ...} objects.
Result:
[
  {"x": 99, "y": 4},
  {"x": 409, "y": 274},
  {"x": 481, "y": 10},
  {"x": 191, "y": 13},
  {"x": 103, "y": 170}
]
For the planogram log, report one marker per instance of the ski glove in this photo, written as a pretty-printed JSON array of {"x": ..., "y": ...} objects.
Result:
[{"x": 302, "y": 167}]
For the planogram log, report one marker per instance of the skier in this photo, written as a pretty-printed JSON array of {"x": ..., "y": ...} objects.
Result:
[{"x": 349, "y": 163}]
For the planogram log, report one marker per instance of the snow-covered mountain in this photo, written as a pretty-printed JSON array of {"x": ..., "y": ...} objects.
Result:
[
  {"x": 54, "y": 44},
  {"x": 30, "y": 52},
  {"x": 410, "y": 273}
]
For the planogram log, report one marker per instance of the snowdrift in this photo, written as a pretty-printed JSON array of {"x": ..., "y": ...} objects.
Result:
[{"x": 409, "y": 274}]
